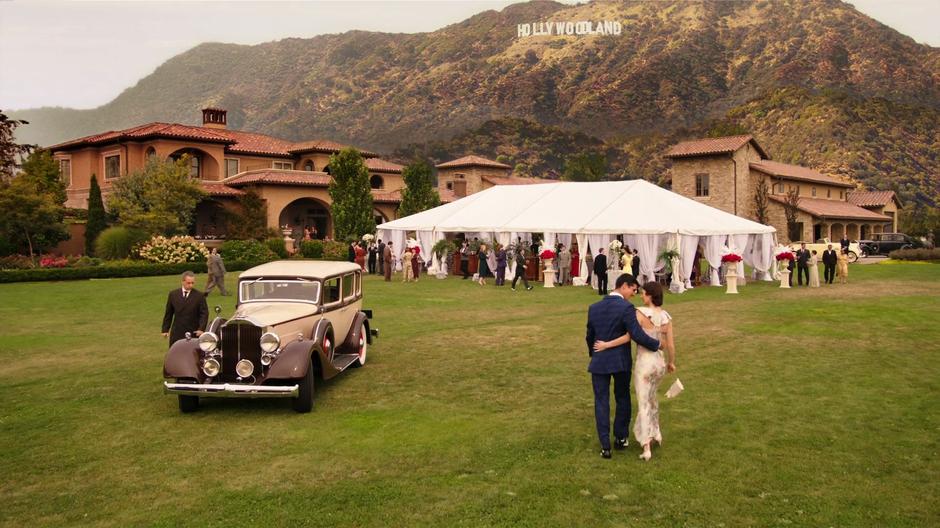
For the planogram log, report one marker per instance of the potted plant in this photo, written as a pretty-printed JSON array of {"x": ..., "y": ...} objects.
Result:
[
  {"x": 784, "y": 256},
  {"x": 441, "y": 249},
  {"x": 730, "y": 260}
]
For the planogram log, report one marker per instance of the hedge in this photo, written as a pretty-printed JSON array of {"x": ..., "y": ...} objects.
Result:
[
  {"x": 111, "y": 271},
  {"x": 915, "y": 254}
]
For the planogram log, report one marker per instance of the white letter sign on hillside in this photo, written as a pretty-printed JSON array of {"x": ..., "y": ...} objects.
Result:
[{"x": 569, "y": 28}]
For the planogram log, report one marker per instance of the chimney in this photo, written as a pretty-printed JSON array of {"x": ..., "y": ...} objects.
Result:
[{"x": 213, "y": 118}]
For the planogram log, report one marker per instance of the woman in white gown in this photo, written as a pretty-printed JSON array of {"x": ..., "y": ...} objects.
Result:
[
  {"x": 650, "y": 367},
  {"x": 813, "y": 271}
]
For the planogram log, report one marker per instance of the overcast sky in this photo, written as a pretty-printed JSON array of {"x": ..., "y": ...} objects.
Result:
[{"x": 83, "y": 54}]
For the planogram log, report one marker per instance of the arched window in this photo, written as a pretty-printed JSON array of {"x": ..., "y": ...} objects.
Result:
[
  {"x": 308, "y": 166},
  {"x": 151, "y": 153},
  {"x": 326, "y": 169},
  {"x": 194, "y": 160},
  {"x": 376, "y": 182}
]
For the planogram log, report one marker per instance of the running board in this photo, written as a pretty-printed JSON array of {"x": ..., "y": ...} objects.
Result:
[{"x": 343, "y": 361}]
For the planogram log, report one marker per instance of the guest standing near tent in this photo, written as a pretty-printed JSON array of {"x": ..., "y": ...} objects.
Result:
[
  {"x": 380, "y": 253},
  {"x": 500, "y": 265},
  {"x": 588, "y": 265},
  {"x": 575, "y": 260},
  {"x": 564, "y": 266},
  {"x": 635, "y": 264},
  {"x": 520, "y": 270},
  {"x": 373, "y": 256},
  {"x": 829, "y": 259},
  {"x": 389, "y": 261},
  {"x": 600, "y": 269},
  {"x": 406, "y": 269},
  {"x": 813, "y": 270},
  {"x": 842, "y": 270},
  {"x": 484, "y": 268},
  {"x": 465, "y": 259},
  {"x": 415, "y": 263}
]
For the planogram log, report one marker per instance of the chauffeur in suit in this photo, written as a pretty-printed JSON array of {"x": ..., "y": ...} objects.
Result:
[
  {"x": 610, "y": 318},
  {"x": 186, "y": 310},
  {"x": 829, "y": 262}
]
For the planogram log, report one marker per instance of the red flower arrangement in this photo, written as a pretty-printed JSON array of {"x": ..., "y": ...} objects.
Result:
[
  {"x": 786, "y": 255},
  {"x": 53, "y": 262},
  {"x": 416, "y": 250},
  {"x": 547, "y": 254},
  {"x": 731, "y": 257}
]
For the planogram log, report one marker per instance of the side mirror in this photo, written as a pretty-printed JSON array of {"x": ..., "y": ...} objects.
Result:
[{"x": 218, "y": 309}]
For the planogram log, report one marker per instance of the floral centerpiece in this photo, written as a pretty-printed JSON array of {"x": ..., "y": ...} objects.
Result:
[
  {"x": 546, "y": 253},
  {"x": 785, "y": 255},
  {"x": 732, "y": 258},
  {"x": 615, "y": 249},
  {"x": 368, "y": 238}
]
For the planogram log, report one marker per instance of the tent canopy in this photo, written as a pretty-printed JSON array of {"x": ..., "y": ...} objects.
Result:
[{"x": 618, "y": 207}]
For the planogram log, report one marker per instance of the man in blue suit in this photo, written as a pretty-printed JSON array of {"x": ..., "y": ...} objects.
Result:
[{"x": 608, "y": 319}]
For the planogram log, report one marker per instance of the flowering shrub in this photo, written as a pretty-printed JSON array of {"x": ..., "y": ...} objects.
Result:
[
  {"x": 177, "y": 249},
  {"x": 53, "y": 262},
  {"x": 731, "y": 257}
]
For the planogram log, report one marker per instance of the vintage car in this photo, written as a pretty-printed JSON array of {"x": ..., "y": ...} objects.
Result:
[
  {"x": 884, "y": 243},
  {"x": 823, "y": 243},
  {"x": 295, "y": 320}
]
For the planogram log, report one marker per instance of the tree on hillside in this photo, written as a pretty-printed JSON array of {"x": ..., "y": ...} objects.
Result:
[
  {"x": 351, "y": 195},
  {"x": 160, "y": 198},
  {"x": 585, "y": 167},
  {"x": 32, "y": 205},
  {"x": 790, "y": 205},
  {"x": 9, "y": 149},
  {"x": 97, "y": 216},
  {"x": 251, "y": 222},
  {"x": 761, "y": 201},
  {"x": 419, "y": 193}
]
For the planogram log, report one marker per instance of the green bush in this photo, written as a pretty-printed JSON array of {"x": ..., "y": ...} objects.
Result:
[
  {"x": 15, "y": 262},
  {"x": 916, "y": 254},
  {"x": 84, "y": 261},
  {"x": 277, "y": 246},
  {"x": 246, "y": 250},
  {"x": 312, "y": 249},
  {"x": 335, "y": 250},
  {"x": 118, "y": 242},
  {"x": 113, "y": 269}
]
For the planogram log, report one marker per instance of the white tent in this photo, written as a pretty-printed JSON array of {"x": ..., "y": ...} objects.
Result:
[{"x": 649, "y": 217}]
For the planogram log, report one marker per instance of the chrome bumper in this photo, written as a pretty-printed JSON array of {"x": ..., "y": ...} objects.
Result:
[{"x": 231, "y": 390}]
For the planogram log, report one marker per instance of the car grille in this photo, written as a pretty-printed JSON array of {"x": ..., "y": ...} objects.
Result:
[{"x": 240, "y": 341}]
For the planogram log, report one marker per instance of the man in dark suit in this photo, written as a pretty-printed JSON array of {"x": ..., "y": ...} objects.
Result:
[
  {"x": 186, "y": 311},
  {"x": 802, "y": 264},
  {"x": 608, "y": 319},
  {"x": 829, "y": 259},
  {"x": 844, "y": 243},
  {"x": 600, "y": 271},
  {"x": 635, "y": 264},
  {"x": 381, "y": 257}
]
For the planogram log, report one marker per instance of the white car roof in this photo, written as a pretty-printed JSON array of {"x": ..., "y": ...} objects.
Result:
[{"x": 315, "y": 269}]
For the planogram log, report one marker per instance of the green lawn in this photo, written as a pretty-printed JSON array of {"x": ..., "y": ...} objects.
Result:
[{"x": 802, "y": 408}]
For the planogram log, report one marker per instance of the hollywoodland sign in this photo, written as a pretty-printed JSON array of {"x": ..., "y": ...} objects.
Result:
[{"x": 575, "y": 28}]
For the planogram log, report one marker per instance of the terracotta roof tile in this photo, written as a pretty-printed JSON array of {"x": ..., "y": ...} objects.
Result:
[
  {"x": 324, "y": 145},
  {"x": 381, "y": 165},
  {"x": 834, "y": 209},
  {"x": 796, "y": 172},
  {"x": 709, "y": 146},
  {"x": 252, "y": 143},
  {"x": 379, "y": 196},
  {"x": 515, "y": 180},
  {"x": 219, "y": 189},
  {"x": 872, "y": 198},
  {"x": 472, "y": 161},
  {"x": 279, "y": 177}
]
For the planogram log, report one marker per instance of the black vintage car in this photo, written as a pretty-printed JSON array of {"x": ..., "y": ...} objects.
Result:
[
  {"x": 884, "y": 243},
  {"x": 295, "y": 321}
]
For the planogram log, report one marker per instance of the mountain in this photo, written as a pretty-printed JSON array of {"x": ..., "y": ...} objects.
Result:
[{"x": 817, "y": 82}]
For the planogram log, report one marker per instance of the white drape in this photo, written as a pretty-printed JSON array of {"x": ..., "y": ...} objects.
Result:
[
  {"x": 398, "y": 246},
  {"x": 565, "y": 238},
  {"x": 740, "y": 243},
  {"x": 648, "y": 249},
  {"x": 762, "y": 254},
  {"x": 425, "y": 242},
  {"x": 688, "y": 245},
  {"x": 713, "y": 245},
  {"x": 582, "y": 251},
  {"x": 549, "y": 240},
  {"x": 504, "y": 238}
]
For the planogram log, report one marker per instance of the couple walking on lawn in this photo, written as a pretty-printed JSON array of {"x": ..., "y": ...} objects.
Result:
[{"x": 612, "y": 323}]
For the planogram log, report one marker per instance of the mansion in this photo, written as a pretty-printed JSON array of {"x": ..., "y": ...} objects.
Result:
[
  {"x": 725, "y": 172},
  {"x": 291, "y": 177}
]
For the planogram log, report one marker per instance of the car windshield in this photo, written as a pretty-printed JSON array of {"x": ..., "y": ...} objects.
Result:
[{"x": 295, "y": 290}]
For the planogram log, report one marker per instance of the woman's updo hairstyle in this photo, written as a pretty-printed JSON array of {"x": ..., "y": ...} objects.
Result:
[{"x": 655, "y": 291}]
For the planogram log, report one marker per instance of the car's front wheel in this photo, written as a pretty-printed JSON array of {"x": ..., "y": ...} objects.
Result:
[
  {"x": 303, "y": 403},
  {"x": 853, "y": 256},
  {"x": 188, "y": 404}
]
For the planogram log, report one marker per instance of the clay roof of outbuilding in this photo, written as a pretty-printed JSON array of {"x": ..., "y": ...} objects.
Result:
[
  {"x": 712, "y": 146},
  {"x": 834, "y": 209},
  {"x": 381, "y": 165},
  {"x": 872, "y": 198},
  {"x": 219, "y": 189},
  {"x": 472, "y": 161},
  {"x": 796, "y": 172},
  {"x": 324, "y": 145}
]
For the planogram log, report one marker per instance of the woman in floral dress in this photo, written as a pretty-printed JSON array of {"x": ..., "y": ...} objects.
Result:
[{"x": 650, "y": 367}]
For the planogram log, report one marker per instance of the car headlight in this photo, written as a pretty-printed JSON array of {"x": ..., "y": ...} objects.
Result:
[
  {"x": 270, "y": 342},
  {"x": 208, "y": 342},
  {"x": 267, "y": 359},
  {"x": 211, "y": 368},
  {"x": 244, "y": 368}
]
